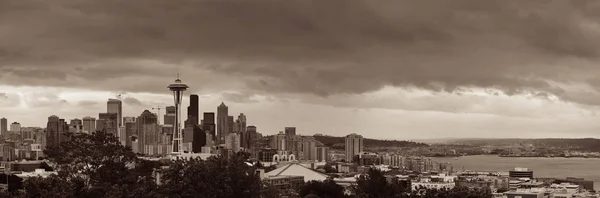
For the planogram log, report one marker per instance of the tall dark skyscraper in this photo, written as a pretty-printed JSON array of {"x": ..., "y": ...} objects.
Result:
[
  {"x": 222, "y": 124},
  {"x": 230, "y": 124},
  {"x": 208, "y": 124},
  {"x": 192, "y": 117},
  {"x": 3, "y": 126},
  {"x": 55, "y": 130}
]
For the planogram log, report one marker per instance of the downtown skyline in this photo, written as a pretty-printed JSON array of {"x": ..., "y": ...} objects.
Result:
[{"x": 459, "y": 69}]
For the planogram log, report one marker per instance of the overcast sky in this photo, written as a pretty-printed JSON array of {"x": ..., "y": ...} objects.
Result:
[{"x": 395, "y": 69}]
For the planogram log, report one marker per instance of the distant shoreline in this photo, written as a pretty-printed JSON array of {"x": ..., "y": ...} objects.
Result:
[{"x": 516, "y": 156}]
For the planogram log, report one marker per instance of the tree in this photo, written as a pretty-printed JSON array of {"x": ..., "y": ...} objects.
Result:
[
  {"x": 329, "y": 168},
  {"x": 95, "y": 165},
  {"x": 214, "y": 177},
  {"x": 373, "y": 185},
  {"x": 324, "y": 189}
]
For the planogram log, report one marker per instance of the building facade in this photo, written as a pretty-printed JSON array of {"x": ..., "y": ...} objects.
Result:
[
  {"x": 76, "y": 126},
  {"x": 55, "y": 131},
  {"x": 3, "y": 126},
  {"x": 232, "y": 142},
  {"x": 115, "y": 106},
  {"x": 354, "y": 146},
  {"x": 222, "y": 124},
  {"x": 89, "y": 124}
]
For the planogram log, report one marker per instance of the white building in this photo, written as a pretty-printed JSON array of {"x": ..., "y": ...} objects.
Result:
[
  {"x": 432, "y": 185},
  {"x": 296, "y": 169}
]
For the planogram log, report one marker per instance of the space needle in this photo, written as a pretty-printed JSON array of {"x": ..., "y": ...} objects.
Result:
[{"x": 177, "y": 88}]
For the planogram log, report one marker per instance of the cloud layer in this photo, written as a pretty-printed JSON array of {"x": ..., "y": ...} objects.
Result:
[{"x": 316, "y": 47}]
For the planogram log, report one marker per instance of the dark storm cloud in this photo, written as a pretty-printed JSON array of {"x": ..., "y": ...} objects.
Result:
[{"x": 318, "y": 47}]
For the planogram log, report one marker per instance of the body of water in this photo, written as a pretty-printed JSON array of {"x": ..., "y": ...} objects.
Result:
[{"x": 587, "y": 168}]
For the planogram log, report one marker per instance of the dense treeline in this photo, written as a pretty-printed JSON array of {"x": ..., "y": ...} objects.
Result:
[
  {"x": 97, "y": 165},
  {"x": 339, "y": 142}
]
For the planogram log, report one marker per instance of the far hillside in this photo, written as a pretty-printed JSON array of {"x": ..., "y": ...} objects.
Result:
[
  {"x": 586, "y": 144},
  {"x": 339, "y": 142}
]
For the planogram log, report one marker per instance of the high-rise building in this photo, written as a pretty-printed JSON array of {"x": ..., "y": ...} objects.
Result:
[
  {"x": 89, "y": 124},
  {"x": 55, "y": 131},
  {"x": 354, "y": 146},
  {"x": 169, "y": 118},
  {"x": 251, "y": 137},
  {"x": 222, "y": 124},
  {"x": 194, "y": 138},
  {"x": 148, "y": 133},
  {"x": 208, "y": 124},
  {"x": 115, "y": 106},
  {"x": 3, "y": 126},
  {"x": 108, "y": 122},
  {"x": 290, "y": 131},
  {"x": 230, "y": 124},
  {"x": 232, "y": 142},
  {"x": 130, "y": 129},
  {"x": 15, "y": 128},
  {"x": 76, "y": 126},
  {"x": 192, "y": 114}
]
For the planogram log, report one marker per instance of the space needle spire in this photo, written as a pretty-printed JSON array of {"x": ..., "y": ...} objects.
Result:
[{"x": 177, "y": 88}]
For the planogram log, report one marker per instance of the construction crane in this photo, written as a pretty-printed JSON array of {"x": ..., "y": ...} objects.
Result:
[{"x": 158, "y": 108}]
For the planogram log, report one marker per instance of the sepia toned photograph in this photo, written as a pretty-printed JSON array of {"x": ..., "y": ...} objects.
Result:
[{"x": 299, "y": 98}]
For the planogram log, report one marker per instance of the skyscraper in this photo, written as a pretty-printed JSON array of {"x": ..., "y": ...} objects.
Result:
[
  {"x": 3, "y": 126},
  {"x": 192, "y": 114},
  {"x": 169, "y": 118},
  {"x": 252, "y": 136},
  {"x": 89, "y": 124},
  {"x": 230, "y": 124},
  {"x": 241, "y": 128},
  {"x": 115, "y": 106},
  {"x": 55, "y": 130},
  {"x": 208, "y": 124},
  {"x": 354, "y": 145},
  {"x": 194, "y": 138},
  {"x": 130, "y": 129},
  {"x": 222, "y": 124},
  {"x": 148, "y": 133},
  {"x": 177, "y": 88}
]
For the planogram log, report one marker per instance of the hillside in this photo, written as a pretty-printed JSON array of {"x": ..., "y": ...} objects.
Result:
[
  {"x": 339, "y": 142},
  {"x": 585, "y": 144}
]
